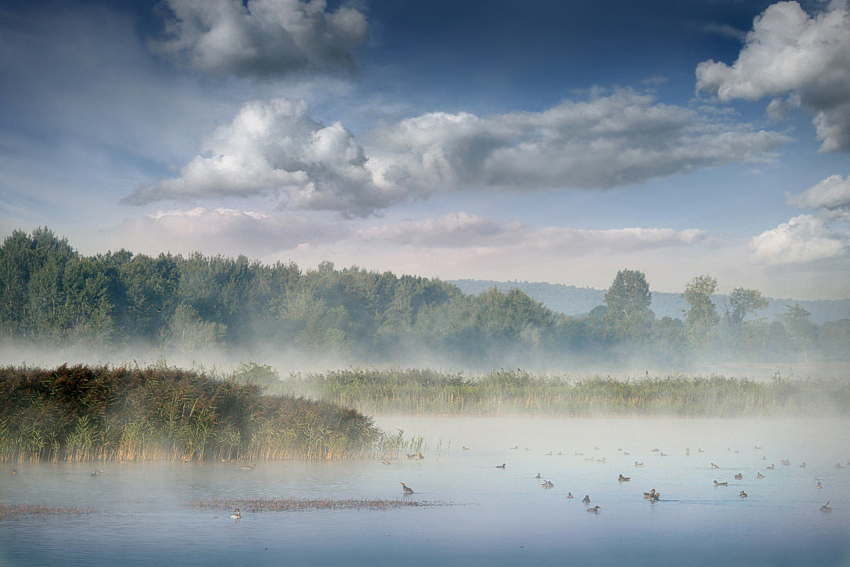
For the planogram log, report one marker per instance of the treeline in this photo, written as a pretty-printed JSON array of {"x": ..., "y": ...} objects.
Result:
[
  {"x": 49, "y": 292},
  {"x": 84, "y": 413},
  {"x": 516, "y": 392}
]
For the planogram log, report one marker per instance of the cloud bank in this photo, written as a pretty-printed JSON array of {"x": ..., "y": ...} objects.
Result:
[
  {"x": 832, "y": 196},
  {"x": 612, "y": 139},
  {"x": 260, "y": 38},
  {"x": 803, "y": 239},
  {"x": 791, "y": 53}
]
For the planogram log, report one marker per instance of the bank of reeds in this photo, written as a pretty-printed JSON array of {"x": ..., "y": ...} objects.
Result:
[
  {"x": 515, "y": 392},
  {"x": 83, "y": 413}
]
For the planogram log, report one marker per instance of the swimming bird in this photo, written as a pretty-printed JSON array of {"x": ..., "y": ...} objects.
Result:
[
  {"x": 624, "y": 478},
  {"x": 759, "y": 475},
  {"x": 538, "y": 475},
  {"x": 721, "y": 483},
  {"x": 407, "y": 489},
  {"x": 803, "y": 466},
  {"x": 771, "y": 467},
  {"x": 637, "y": 464},
  {"x": 739, "y": 476},
  {"x": 595, "y": 509},
  {"x": 548, "y": 484},
  {"x": 819, "y": 485},
  {"x": 236, "y": 514},
  {"x": 743, "y": 494},
  {"x": 465, "y": 448},
  {"x": 825, "y": 508},
  {"x": 500, "y": 466},
  {"x": 249, "y": 467},
  {"x": 650, "y": 494},
  {"x": 569, "y": 494},
  {"x": 714, "y": 466},
  {"x": 586, "y": 499}
]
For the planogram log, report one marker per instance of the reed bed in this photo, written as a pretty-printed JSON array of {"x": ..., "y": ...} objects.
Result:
[
  {"x": 84, "y": 413},
  {"x": 515, "y": 392},
  {"x": 15, "y": 511},
  {"x": 306, "y": 504}
]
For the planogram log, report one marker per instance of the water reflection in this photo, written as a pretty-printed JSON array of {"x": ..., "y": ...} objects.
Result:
[{"x": 143, "y": 512}]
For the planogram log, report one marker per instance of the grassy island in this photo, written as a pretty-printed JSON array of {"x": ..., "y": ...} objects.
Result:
[{"x": 91, "y": 413}]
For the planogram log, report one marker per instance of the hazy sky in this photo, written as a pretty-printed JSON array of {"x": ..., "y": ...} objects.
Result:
[{"x": 555, "y": 141}]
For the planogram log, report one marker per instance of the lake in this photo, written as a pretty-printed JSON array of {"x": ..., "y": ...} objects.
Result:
[{"x": 477, "y": 514}]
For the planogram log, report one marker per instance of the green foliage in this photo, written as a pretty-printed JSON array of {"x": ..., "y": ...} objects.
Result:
[
  {"x": 515, "y": 392},
  {"x": 87, "y": 413},
  {"x": 51, "y": 294},
  {"x": 702, "y": 316},
  {"x": 743, "y": 302}
]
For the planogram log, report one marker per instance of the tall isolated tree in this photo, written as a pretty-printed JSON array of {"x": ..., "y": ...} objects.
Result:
[
  {"x": 702, "y": 316},
  {"x": 743, "y": 302},
  {"x": 627, "y": 302},
  {"x": 628, "y": 295}
]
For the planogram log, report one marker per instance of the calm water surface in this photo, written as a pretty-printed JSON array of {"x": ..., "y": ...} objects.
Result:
[{"x": 143, "y": 513}]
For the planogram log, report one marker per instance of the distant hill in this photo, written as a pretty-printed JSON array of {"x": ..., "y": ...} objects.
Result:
[{"x": 572, "y": 300}]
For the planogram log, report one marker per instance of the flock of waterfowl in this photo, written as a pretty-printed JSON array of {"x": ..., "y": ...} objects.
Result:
[{"x": 653, "y": 495}]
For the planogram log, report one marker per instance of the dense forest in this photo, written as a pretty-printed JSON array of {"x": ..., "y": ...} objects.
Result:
[{"x": 51, "y": 293}]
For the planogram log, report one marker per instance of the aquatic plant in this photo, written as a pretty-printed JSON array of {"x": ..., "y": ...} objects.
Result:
[
  {"x": 516, "y": 392},
  {"x": 84, "y": 413}
]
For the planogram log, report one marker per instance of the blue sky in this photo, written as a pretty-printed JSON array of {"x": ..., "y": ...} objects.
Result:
[{"x": 532, "y": 140}]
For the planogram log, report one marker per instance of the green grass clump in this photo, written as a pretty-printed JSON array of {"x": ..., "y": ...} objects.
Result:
[{"x": 84, "y": 413}]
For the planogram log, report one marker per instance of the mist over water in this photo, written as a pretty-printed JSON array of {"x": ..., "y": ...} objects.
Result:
[{"x": 143, "y": 512}]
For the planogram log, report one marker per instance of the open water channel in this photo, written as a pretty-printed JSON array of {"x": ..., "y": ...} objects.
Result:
[{"x": 473, "y": 513}]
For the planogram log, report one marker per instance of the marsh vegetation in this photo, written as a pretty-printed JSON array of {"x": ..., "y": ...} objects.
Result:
[{"x": 83, "y": 413}]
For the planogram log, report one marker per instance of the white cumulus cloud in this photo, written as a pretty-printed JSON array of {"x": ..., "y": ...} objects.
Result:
[
  {"x": 832, "y": 195},
  {"x": 790, "y": 52},
  {"x": 260, "y": 38},
  {"x": 277, "y": 147},
  {"x": 802, "y": 239},
  {"x": 610, "y": 140}
]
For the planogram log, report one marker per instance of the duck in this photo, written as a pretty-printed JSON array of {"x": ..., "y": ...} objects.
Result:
[
  {"x": 637, "y": 464},
  {"x": 569, "y": 495},
  {"x": 586, "y": 499},
  {"x": 771, "y": 467},
  {"x": 624, "y": 478},
  {"x": 655, "y": 497},
  {"x": 407, "y": 489},
  {"x": 236, "y": 514},
  {"x": 739, "y": 476},
  {"x": 595, "y": 509},
  {"x": 743, "y": 494},
  {"x": 548, "y": 484},
  {"x": 465, "y": 448},
  {"x": 826, "y": 508},
  {"x": 819, "y": 485},
  {"x": 785, "y": 463},
  {"x": 803, "y": 466},
  {"x": 714, "y": 466},
  {"x": 538, "y": 476},
  {"x": 650, "y": 494},
  {"x": 500, "y": 466},
  {"x": 759, "y": 475},
  {"x": 249, "y": 467},
  {"x": 385, "y": 462},
  {"x": 721, "y": 483}
]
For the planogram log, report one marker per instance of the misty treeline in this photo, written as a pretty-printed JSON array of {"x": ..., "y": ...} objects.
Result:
[
  {"x": 83, "y": 413},
  {"x": 505, "y": 392},
  {"x": 50, "y": 292}
]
